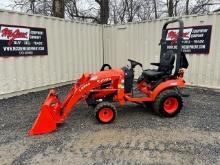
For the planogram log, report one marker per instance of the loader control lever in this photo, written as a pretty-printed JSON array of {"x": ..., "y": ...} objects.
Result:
[{"x": 134, "y": 64}]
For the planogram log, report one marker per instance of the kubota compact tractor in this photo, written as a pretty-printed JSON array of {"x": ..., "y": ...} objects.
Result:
[{"x": 160, "y": 87}]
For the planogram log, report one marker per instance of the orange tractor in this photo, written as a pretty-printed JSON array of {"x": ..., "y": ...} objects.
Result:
[{"x": 160, "y": 87}]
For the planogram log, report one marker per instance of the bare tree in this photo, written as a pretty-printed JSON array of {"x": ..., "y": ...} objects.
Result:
[
  {"x": 98, "y": 10},
  {"x": 187, "y": 7},
  {"x": 176, "y": 10},
  {"x": 202, "y": 6},
  {"x": 199, "y": 6},
  {"x": 115, "y": 11},
  {"x": 104, "y": 11},
  {"x": 33, "y": 6},
  {"x": 58, "y": 8},
  {"x": 136, "y": 10},
  {"x": 155, "y": 8},
  {"x": 132, "y": 9},
  {"x": 75, "y": 10},
  {"x": 170, "y": 7}
]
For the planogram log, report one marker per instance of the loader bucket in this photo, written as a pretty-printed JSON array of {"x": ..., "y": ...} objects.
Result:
[{"x": 48, "y": 117}]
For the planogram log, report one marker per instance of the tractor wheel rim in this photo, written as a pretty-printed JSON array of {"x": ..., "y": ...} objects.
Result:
[
  {"x": 106, "y": 115},
  {"x": 171, "y": 104}
]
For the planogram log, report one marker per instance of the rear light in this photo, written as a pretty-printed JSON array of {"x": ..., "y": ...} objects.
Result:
[{"x": 181, "y": 73}]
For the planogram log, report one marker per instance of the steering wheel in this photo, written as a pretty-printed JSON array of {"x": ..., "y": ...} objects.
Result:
[
  {"x": 104, "y": 66},
  {"x": 134, "y": 63}
]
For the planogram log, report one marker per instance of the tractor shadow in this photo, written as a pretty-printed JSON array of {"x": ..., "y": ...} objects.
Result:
[
  {"x": 83, "y": 118},
  {"x": 133, "y": 108}
]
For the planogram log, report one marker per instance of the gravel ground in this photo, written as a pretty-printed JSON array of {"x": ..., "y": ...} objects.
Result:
[{"x": 137, "y": 136}]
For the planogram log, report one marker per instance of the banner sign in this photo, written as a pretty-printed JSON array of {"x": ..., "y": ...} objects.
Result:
[
  {"x": 195, "y": 39},
  {"x": 22, "y": 41}
]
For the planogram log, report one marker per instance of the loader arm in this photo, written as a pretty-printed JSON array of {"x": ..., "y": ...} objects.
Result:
[
  {"x": 78, "y": 93},
  {"x": 53, "y": 111}
]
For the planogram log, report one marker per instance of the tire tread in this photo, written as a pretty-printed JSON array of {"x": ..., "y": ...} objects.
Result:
[
  {"x": 103, "y": 105},
  {"x": 161, "y": 97}
]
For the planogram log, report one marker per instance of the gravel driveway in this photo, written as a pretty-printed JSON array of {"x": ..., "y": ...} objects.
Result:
[{"x": 137, "y": 136}]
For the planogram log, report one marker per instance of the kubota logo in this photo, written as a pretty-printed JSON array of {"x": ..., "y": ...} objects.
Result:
[
  {"x": 172, "y": 35},
  {"x": 13, "y": 33},
  {"x": 104, "y": 80},
  {"x": 84, "y": 86}
]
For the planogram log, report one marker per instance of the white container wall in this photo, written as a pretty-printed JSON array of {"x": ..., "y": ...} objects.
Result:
[
  {"x": 139, "y": 41},
  {"x": 73, "y": 48}
]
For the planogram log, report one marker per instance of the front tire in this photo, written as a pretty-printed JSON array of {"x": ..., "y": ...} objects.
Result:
[
  {"x": 105, "y": 112},
  {"x": 168, "y": 103}
]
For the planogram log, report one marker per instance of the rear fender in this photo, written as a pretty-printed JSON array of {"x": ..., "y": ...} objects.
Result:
[{"x": 165, "y": 85}]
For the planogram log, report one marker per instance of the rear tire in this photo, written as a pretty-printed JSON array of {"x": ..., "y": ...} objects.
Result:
[
  {"x": 105, "y": 112},
  {"x": 168, "y": 103}
]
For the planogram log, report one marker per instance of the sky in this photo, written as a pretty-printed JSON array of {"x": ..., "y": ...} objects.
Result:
[{"x": 4, "y": 4}]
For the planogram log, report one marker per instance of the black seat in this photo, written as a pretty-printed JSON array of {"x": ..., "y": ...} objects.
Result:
[
  {"x": 153, "y": 73},
  {"x": 165, "y": 66}
]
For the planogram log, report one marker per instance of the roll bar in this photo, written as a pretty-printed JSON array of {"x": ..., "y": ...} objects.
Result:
[{"x": 179, "y": 41}]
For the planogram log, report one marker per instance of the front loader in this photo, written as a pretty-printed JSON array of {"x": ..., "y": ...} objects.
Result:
[{"x": 100, "y": 90}]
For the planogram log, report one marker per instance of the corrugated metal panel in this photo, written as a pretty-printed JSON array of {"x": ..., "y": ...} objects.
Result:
[
  {"x": 139, "y": 41},
  {"x": 73, "y": 48}
]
